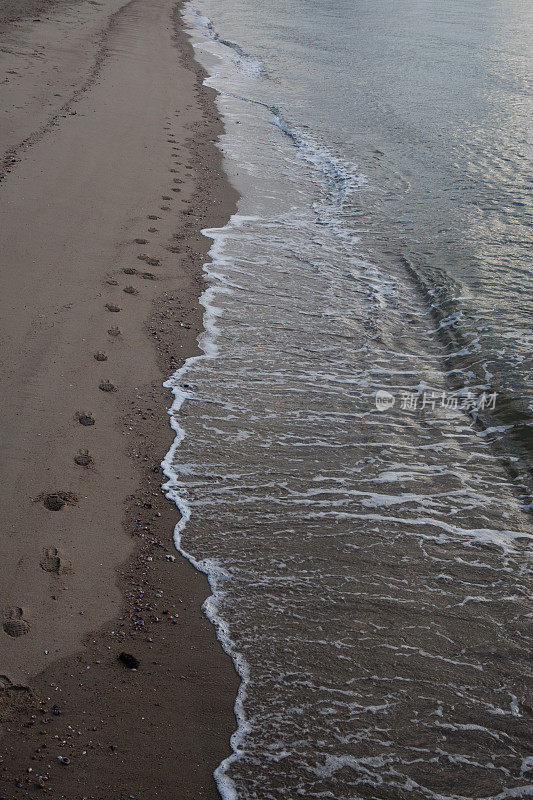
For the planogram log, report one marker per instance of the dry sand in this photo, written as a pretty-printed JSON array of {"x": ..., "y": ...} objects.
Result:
[{"x": 109, "y": 165}]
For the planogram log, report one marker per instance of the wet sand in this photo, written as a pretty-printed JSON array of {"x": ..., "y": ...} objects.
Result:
[{"x": 109, "y": 173}]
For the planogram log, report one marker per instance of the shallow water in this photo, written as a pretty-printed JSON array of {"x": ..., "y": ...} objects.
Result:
[{"x": 368, "y": 564}]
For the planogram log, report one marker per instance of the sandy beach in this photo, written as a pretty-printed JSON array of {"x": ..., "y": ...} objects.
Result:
[{"x": 109, "y": 173}]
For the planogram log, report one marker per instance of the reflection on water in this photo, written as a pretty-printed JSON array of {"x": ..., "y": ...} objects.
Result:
[{"x": 432, "y": 102}]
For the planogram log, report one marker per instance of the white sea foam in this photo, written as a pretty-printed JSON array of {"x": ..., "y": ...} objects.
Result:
[{"x": 215, "y": 573}]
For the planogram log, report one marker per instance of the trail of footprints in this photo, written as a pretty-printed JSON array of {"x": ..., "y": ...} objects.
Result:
[{"x": 53, "y": 561}]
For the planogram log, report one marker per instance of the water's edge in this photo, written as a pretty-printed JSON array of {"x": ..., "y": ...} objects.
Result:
[{"x": 207, "y": 342}]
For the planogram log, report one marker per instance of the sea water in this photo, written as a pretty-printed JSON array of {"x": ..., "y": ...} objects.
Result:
[{"x": 351, "y": 449}]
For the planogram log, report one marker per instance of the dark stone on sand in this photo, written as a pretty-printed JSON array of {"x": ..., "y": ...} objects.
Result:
[
  {"x": 128, "y": 660},
  {"x": 85, "y": 419}
]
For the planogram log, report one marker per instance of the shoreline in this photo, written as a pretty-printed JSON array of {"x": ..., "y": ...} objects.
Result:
[{"x": 86, "y": 726}]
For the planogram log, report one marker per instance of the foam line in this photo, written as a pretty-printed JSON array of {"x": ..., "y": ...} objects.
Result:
[{"x": 215, "y": 574}]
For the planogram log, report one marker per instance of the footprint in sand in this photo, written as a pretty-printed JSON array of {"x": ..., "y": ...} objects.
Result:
[
  {"x": 165, "y": 197},
  {"x": 100, "y": 356},
  {"x": 154, "y": 262},
  {"x": 153, "y": 216},
  {"x": 54, "y": 561},
  {"x": 130, "y": 290},
  {"x": 107, "y": 386},
  {"x": 148, "y": 276},
  {"x": 83, "y": 458},
  {"x": 165, "y": 208},
  {"x": 54, "y": 501},
  {"x": 84, "y": 418},
  {"x": 129, "y": 271},
  {"x": 112, "y": 282},
  {"x": 112, "y": 307},
  {"x": 141, "y": 241},
  {"x": 14, "y": 623},
  {"x": 152, "y": 230},
  {"x": 114, "y": 331}
]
